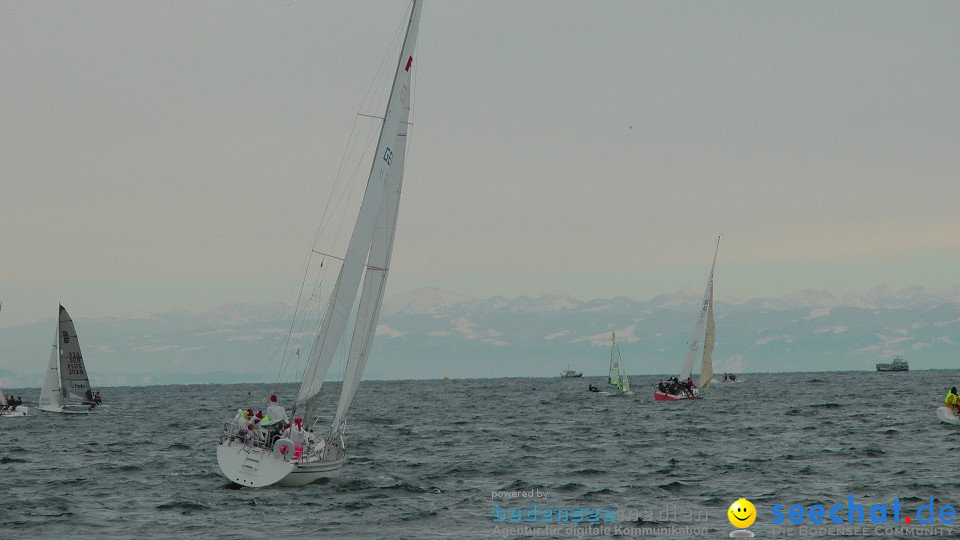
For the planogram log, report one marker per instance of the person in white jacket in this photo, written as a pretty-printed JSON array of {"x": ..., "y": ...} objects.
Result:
[
  {"x": 295, "y": 433},
  {"x": 275, "y": 412}
]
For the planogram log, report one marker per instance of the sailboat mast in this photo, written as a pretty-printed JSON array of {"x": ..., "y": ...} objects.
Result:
[{"x": 344, "y": 292}]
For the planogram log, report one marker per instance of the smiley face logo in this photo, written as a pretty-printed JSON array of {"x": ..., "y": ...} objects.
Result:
[{"x": 742, "y": 513}]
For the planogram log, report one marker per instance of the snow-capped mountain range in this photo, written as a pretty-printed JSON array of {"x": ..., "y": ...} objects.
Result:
[{"x": 431, "y": 333}]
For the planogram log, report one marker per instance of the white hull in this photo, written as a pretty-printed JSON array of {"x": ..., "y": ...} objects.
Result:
[
  {"x": 306, "y": 473},
  {"x": 947, "y": 416},
  {"x": 258, "y": 467},
  {"x": 21, "y": 412},
  {"x": 70, "y": 409}
]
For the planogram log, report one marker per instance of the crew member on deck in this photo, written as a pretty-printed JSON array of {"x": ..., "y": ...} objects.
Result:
[
  {"x": 275, "y": 412},
  {"x": 296, "y": 434},
  {"x": 952, "y": 400}
]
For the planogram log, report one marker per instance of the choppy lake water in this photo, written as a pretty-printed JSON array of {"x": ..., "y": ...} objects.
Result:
[{"x": 427, "y": 456}]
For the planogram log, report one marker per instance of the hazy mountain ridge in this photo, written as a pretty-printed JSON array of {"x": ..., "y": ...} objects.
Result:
[{"x": 430, "y": 333}]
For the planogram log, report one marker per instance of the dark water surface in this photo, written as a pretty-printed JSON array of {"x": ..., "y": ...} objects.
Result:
[{"x": 425, "y": 457}]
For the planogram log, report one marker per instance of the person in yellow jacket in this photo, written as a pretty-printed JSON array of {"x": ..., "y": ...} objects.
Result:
[{"x": 952, "y": 400}]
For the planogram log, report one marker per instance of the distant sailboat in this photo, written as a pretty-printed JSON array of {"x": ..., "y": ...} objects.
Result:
[
  {"x": 705, "y": 328},
  {"x": 259, "y": 463},
  {"x": 4, "y": 410},
  {"x": 7, "y": 412},
  {"x": 618, "y": 377},
  {"x": 66, "y": 387}
]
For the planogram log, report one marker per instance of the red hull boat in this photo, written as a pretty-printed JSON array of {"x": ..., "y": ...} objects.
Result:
[{"x": 660, "y": 396}]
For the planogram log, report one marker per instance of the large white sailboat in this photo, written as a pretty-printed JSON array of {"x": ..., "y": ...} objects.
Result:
[
  {"x": 66, "y": 387},
  {"x": 250, "y": 461},
  {"x": 701, "y": 339},
  {"x": 617, "y": 377}
]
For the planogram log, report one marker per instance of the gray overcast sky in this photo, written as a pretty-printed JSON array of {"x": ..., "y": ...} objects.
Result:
[{"x": 165, "y": 155}]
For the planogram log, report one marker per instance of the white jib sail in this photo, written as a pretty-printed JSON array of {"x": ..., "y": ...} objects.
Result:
[
  {"x": 706, "y": 366},
  {"x": 378, "y": 266},
  {"x": 50, "y": 396},
  {"x": 345, "y": 291}
]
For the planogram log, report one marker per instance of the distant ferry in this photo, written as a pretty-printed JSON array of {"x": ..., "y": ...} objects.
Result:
[
  {"x": 570, "y": 374},
  {"x": 898, "y": 364}
]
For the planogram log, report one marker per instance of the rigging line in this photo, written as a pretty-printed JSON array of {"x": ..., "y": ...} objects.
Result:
[
  {"x": 370, "y": 116},
  {"x": 309, "y": 367},
  {"x": 379, "y": 83},
  {"x": 296, "y": 310},
  {"x": 381, "y": 73},
  {"x": 346, "y": 192},
  {"x": 293, "y": 366},
  {"x": 327, "y": 255},
  {"x": 385, "y": 63},
  {"x": 294, "y": 316},
  {"x": 351, "y": 145},
  {"x": 355, "y": 176},
  {"x": 272, "y": 355},
  {"x": 302, "y": 321},
  {"x": 314, "y": 329}
]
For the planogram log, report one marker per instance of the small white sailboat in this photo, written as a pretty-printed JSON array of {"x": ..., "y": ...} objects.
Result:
[
  {"x": 66, "y": 387},
  {"x": 322, "y": 454},
  {"x": 617, "y": 377},
  {"x": 8, "y": 412},
  {"x": 705, "y": 329}
]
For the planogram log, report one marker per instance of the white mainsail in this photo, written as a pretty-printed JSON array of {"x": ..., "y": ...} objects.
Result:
[
  {"x": 614, "y": 376},
  {"x": 618, "y": 376},
  {"x": 703, "y": 329},
  {"x": 367, "y": 248}
]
